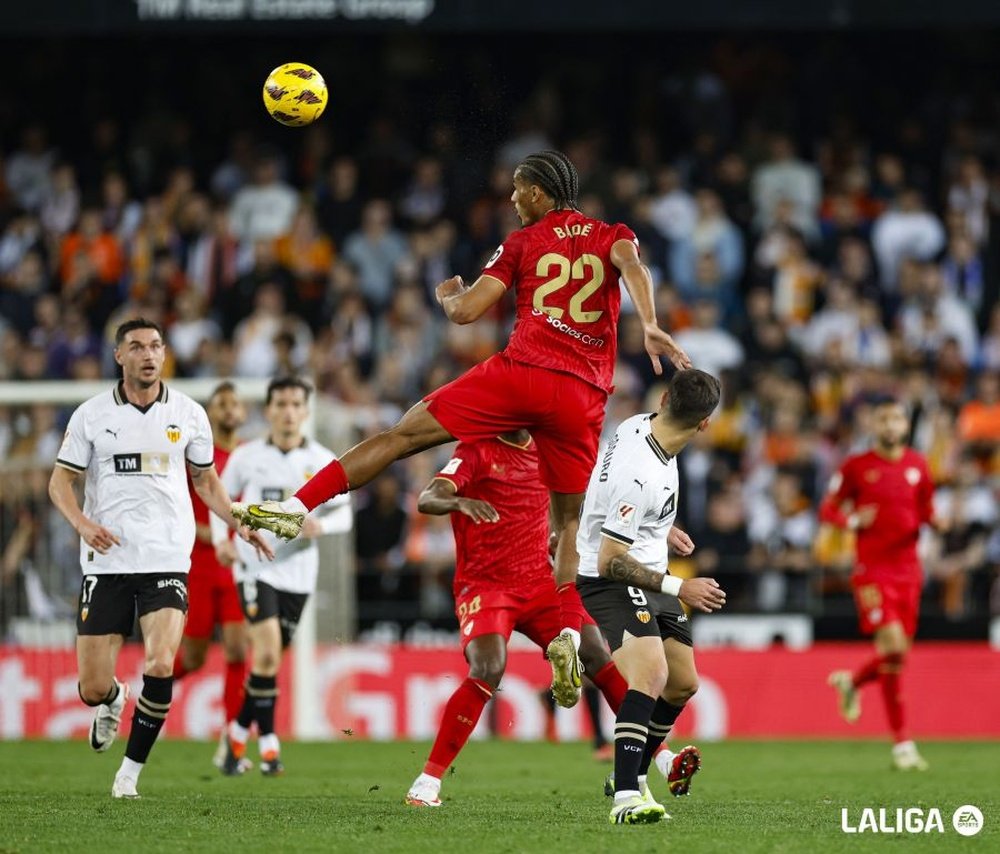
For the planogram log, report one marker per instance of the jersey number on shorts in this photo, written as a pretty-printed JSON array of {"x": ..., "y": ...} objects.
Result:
[
  {"x": 638, "y": 596},
  {"x": 467, "y": 610},
  {"x": 564, "y": 271},
  {"x": 89, "y": 583}
]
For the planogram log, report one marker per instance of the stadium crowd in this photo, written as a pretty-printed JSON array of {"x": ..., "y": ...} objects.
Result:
[{"x": 808, "y": 271}]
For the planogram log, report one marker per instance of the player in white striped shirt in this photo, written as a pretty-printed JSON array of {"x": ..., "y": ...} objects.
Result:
[{"x": 274, "y": 594}]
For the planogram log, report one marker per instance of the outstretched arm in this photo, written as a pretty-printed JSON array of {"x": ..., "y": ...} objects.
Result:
[
  {"x": 464, "y": 305},
  {"x": 639, "y": 284},
  {"x": 99, "y": 538},
  {"x": 440, "y": 498}
]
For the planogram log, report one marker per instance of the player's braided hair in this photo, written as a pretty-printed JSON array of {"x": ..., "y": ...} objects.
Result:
[{"x": 555, "y": 173}]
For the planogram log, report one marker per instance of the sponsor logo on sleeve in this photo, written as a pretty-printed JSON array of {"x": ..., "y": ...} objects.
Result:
[
  {"x": 452, "y": 466},
  {"x": 625, "y": 512}
]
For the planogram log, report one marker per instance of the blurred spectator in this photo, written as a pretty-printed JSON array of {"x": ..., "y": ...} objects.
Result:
[
  {"x": 931, "y": 316},
  {"x": 426, "y": 196},
  {"x": 74, "y": 340},
  {"x": 255, "y": 337},
  {"x": 121, "y": 214},
  {"x": 307, "y": 255},
  {"x": 380, "y": 527},
  {"x": 263, "y": 210},
  {"x": 964, "y": 275},
  {"x": 61, "y": 205},
  {"x": 339, "y": 201},
  {"x": 713, "y": 235},
  {"x": 785, "y": 178},
  {"x": 21, "y": 290},
  {"x": 710, "y": 347},
  {"x": 22, "y": 235},
  {"x": 29, "y": 167},
  {"x": 190, "y": 330},
  {"x": 906, "y": 230},
  {"x": 968, "y": 195},
  {"x": 376, "y": 250},
  {"x": 673, "y": 210}
]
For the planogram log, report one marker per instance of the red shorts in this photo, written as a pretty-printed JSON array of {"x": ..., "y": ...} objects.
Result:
[
  {"x": 534, "y": 613},
  {"x": 563, "y": 413},
  {"x": 882, "y": 600},
  {"x": 212, "y": 598}
]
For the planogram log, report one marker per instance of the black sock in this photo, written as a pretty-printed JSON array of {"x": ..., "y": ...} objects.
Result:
[
  {"x": 593, "y": 699},
  {"x": 150, "y": 712},
  {"x": 631, "y": 727},
  {"x": 258, "y": 704},
  {"x": 660, "y": 722}
]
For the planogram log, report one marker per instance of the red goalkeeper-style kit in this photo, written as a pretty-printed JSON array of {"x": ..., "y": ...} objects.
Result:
[{"x": 887, "y": 577}]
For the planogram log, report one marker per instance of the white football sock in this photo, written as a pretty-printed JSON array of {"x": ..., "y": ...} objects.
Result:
[
  {"x": 575, "y": 635},
  {"x": 268, "y": 743},
  {"x": 130, "y": 768}
]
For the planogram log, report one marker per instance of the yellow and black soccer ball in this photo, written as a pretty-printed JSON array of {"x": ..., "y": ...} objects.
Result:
[{"x": 295, "y": 94}]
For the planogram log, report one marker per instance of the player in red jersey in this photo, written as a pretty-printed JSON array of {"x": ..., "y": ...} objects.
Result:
[
  {"x": 552, "y": 379},
  {"x": 503, "y": 581},
  {"x": 213, "y": 599},
  {"x": 884, "y": 495}
]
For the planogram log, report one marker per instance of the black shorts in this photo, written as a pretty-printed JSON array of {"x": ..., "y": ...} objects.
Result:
[
  {"x": 261, "y": 602},
  {"x": 109, "y": 604},
  {"x": 618, "y": 609}
]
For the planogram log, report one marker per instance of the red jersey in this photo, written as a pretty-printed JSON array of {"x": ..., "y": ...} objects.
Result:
[
  {"x": 512, "y": 553},
  {"x": 568, "y": 296},
  {"x": 203, "y": 552},
  {"x": 903, "y": 493}
]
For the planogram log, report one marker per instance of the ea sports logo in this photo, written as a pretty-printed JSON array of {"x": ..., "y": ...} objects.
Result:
[{"x": 967, "y": 820}]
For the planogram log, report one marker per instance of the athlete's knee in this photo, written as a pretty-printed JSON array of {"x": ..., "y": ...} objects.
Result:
[
  {"x": 266, "y": 662},
  {"x": 194, "y": 658},
  {"x": 234, "y": 653},
  {"x": 593, "y": 656},
  {"x": 650, "y": 679},
  {"x": 159, "y": 663},
  {"x": 679, "y": 694},
  {"x": 94, "y": 693}
]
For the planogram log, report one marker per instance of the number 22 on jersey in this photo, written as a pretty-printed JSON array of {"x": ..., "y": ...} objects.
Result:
[{"x": 587, "y": 267}]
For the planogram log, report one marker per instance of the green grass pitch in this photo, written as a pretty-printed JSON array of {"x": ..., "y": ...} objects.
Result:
[{"x": 501, "y": 797}]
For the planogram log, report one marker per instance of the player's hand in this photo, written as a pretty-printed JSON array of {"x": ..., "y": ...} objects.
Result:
[
  {"x": 225, "y": 552},
  {"x": 256, "y": 539},
  {"x": 99, "y": 538},
  {"x": 311, "y": 528},
  {"x": 553, "y": 545},
  {"x": 865, "y": 516},
  {"x": 660, "y": 343},
  {"x": 478, "y": 511},
  {"x": 702, "y": 594},
  {"x": 449, "y": 288},
  {"x": 680, "y": 542}
]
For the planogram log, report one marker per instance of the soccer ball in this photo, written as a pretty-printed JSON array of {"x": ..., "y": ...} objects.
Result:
[{"x": 295, "y": 94}]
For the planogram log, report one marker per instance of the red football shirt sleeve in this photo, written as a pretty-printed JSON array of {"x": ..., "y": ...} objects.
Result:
[
  {"x": 461, "y": 469},
  {"x": 623, "y": 232},
  {"x": 925, "y": 494},
  {"x": 840, "y": 492},
  {"x": 503, "y": 263}
]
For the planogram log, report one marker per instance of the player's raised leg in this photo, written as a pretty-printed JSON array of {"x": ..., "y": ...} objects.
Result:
[
  {"x": 487, "y": 657},
  {"x": 563, "y": 651},
  {"x": 96, "y": 657},
  {"x": 161, "y": 636},
  {"x": 416, "y": 431}
]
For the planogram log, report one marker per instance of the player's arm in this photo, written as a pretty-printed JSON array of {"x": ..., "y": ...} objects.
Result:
[
  {"x": 639, "y": 284},
  {"x": 213, "y": 493},
  {"x": 464, "y": 305},
  {"x": 837, "y": 507},
  {"x": 616, "y": 564},
  {"x": 63, "y": 496},
  {"x": 440, "y": 497}
]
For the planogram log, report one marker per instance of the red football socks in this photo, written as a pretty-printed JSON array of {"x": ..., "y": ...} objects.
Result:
[
  {"x": 868, "y": 671},
  {"x": 232, "y": 690},
  {"x": 460, "y": 717},
  {"x": 889, "y": 680},
  {"x": 571, "y": 608},
  {"x": 329, "y": 481},
  {"x": 611, "y": 684}
]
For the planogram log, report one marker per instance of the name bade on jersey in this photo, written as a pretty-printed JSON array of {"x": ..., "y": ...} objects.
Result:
[
  {"x": 608, "y": 454},
  {"x": 576, "y": 230},
  {"x": 145, "y": 462},
  {"x": 274, "y": 493}
]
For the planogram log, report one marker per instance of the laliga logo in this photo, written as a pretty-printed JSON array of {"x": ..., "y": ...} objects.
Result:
[{"x": 967, "y": 820}]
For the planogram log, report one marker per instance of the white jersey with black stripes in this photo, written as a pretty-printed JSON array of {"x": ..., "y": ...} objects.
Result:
[{"x": 631, "y": 498}]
